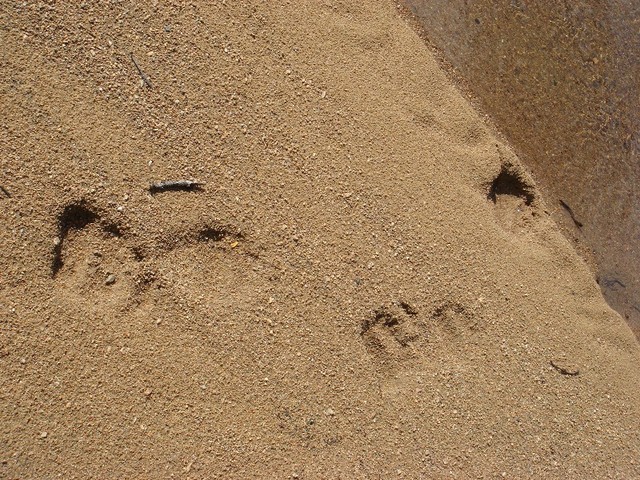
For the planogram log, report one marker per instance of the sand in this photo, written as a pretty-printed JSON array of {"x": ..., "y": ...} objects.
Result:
[
  {"x": 367, "y": 283},
  {"x": 561, "y": 82}
]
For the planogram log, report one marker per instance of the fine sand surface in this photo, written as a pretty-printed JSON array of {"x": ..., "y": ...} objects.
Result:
[{"x": 367, "y": 284}]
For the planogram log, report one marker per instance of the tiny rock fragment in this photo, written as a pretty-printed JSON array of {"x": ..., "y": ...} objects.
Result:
[
  {"x": 56, "y": 241},
  {"x": 43, "y": 435},
  {"x": 329, "y": 412},
  {"x": 234, "y": 244},
  {"x": 111, "y": 279}
]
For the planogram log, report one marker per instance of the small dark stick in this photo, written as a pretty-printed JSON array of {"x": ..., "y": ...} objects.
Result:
[
  {"x": 4, "y": 190},
  {"x": 571, "y": 214},
  {"x": 144, "y": 76},
  {"x": 188, "y": 185},
  {"x": 564, "y": 371},
  {"x": 612, "y": 282}
]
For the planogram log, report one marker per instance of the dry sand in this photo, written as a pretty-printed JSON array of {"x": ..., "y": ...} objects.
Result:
[{"x": 368, "y": 284}]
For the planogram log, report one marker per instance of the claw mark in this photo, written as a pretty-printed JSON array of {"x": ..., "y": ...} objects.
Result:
[{"x": 408, "y": 308}]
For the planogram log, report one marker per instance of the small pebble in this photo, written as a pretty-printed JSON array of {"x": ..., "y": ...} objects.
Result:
[
  {"x": 111, "y": 279},
  {"x": 329, "y": 412},
  {"x": 43, "y": 435}
]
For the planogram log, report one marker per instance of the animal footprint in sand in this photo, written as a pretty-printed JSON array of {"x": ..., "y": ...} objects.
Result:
[
  {"x": 391, "y": 331},
  {"x": 452, "y": 320},
  {"x": 513, "y": 196},
  {"x": 89, "y": 253}
]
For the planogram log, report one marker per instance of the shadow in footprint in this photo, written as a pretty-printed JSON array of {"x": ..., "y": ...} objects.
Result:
[
  {"x": 513, "y": 196},
  {"x": 75, "y": 217},
  {"x": 92, "y": 263}
]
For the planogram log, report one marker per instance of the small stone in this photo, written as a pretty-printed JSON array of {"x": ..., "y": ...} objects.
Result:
[
  {"x": 148, "y": 392},
  {"x": 57, "y": 241},
  {"x": 329, "y": 412},
  {"x": 43, "y": 435},
  {"x": 111, "y": 279}
]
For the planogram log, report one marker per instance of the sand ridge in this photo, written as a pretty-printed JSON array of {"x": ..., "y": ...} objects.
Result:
[{"x": 368, "y": 284}]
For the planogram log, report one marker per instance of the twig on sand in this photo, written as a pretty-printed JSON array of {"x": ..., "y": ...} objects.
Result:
[
  {"x": 188, "y": 185},
  {"x": 4, "y": 190},
  {"x": 565, "y": 371},
  {"x": 145, "y": 78},
  {"x": 564, "y": 205}
]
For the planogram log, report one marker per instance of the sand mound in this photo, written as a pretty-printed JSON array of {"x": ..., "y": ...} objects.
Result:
[{"x": 366, "y": 285}]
